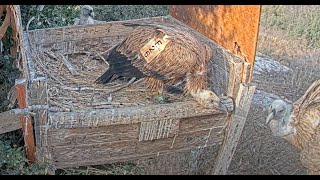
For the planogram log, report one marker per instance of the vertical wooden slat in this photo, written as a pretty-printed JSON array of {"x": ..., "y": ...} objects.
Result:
[
  {"x": 237, "y": 121},
  {"x": 21, "y": 88},
  {"x": 38, "y": 96}
]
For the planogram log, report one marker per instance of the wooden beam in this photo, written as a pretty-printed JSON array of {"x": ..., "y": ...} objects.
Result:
[
  {"x": 9, "y": 121},
  {"x": 129, "y": 115},
  {"x": 21, "y": 88},
  {"x": 236, "y": 124},
  {"x": 39, "y": 97}
]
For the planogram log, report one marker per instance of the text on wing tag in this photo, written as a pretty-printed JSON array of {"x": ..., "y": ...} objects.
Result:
[{"x": 154, "y": 47}]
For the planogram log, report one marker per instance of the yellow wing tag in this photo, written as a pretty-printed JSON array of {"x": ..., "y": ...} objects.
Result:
[{"x": 154, "y": 47}]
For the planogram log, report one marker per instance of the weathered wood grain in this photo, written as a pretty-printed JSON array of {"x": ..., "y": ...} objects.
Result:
[
  {"x": 128, "y": 115},
  {"x": 38, "y": 96},
  {"x": 83, "y": 136},
  {"x": 25, "y": 120},
  {"x": 235, "y": 76},
  {"x": 9, "y": 121},
  {"x": 82, "y": 153},
  {"x": 151, "y": 130},
  {"x": 200, "y": 123},
  {"x": 85, "y": 152}
]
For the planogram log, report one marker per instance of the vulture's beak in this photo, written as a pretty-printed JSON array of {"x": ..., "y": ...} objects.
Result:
[
  {"x": 271, "y": 116},
  {"x": 91, "y": 13}
]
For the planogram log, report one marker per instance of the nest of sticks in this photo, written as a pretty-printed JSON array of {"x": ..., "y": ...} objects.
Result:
[{"x": 71, "y": 83}]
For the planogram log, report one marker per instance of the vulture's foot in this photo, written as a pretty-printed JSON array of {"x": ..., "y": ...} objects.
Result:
[
  {"x": 206, "y": 98},
  {"x": 226, "y": 104}
]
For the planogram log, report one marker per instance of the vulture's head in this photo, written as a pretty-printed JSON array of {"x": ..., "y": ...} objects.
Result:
[
  {"x": 87, "y": 11},
  {"x": 279, "y": 118}
]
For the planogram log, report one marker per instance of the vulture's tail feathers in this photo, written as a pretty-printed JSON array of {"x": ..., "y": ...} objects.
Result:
[
  {"x": 175, "y": 90},
  {"x": 106, "y": 77}
]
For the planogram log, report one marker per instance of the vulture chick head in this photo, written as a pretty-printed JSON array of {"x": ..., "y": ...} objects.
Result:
[
  {"x": 279, "y": 118},
  {"x": 86, "y": 16},
  {"x": 87, "y": 11}
]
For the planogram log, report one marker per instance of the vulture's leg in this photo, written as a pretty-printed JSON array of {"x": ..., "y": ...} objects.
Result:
[
  {"x": 156, "y": 88},
  {"x": 196, "y": 85}
]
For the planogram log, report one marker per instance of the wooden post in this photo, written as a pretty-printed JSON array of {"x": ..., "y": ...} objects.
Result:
[
  {"x": 21, "y": 88},
  {"x": 236, "y": 125},
  {"x": 39, "y": 96}
]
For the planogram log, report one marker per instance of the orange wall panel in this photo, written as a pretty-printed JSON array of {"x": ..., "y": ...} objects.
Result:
[{"x": 224, "y": 24}]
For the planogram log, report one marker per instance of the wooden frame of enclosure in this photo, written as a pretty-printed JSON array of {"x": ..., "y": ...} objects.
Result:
[{"x": 61, "y": 137}]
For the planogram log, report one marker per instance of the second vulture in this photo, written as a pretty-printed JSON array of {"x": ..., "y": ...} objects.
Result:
[{"x": 164, "y": 55}]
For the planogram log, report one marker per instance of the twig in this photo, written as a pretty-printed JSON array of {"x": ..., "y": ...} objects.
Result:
[
  {"x": 32, "y": 47},
  {"x": 69, "y": 65},
  {"x": 92, "y": 97},
  {"x": 126, "y": 85},
  {"x": 79, "y": 52},
  {"x": 104, "y": 60},
  {"x": 138, "y": 81},
  {"x": 113, "y": 103},
  {"x": 60, "y": 105},
  {"x": 45, "y": 69}
]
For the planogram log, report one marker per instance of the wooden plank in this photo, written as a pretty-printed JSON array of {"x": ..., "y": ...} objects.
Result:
[
  {"x": 102, "y": 160},
  {"x": 39, "y": 96},
  {"x": 28, "y": 64},
  {"x": 128, "y": 115},
  {"x": 111, "y": 29},
  {"x": 83, "y": 136},
  {"x": 26, "y": 124},
  {"x": 216, "y": 136},
  {"x": 247, "y": 73},
  {"x": 235, "y": 77},
  {"x": 9, "y": 121},
  {"x": 165, "y": 128},
  {"x": 77, "y": 154},
  {"x": 93, "y": 151},
  {"x": 224, "y": 24},
  {"x": 237, "y": 121},
  {"x": 191, "y": 139},
  {"x": 155, "y": 146},
  {"x": 201, "y": 123}
]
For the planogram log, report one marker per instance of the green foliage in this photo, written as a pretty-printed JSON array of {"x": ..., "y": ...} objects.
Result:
[
  {"x": 64, "y": 15},
  {"x": 14, "y": 162},
  {"x": 297, "y": 21}
]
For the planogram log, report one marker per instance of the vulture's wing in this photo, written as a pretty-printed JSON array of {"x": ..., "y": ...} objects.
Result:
[
  {"x": 311, "y": 99},
  {"x": 310, "y": 155},
  {"x": 173, "y": 62},
  {"x": 306, "y": 117}
]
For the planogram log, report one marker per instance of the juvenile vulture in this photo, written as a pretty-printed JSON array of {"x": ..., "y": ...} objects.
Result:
[
  {"x": 299, "y": 123},
  {"x": 164, "y": 55},
  {"x": 86, "y": 16}
]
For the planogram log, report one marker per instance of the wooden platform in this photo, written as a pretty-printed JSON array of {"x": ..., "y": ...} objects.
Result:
[{"x": 77, "y": 125}]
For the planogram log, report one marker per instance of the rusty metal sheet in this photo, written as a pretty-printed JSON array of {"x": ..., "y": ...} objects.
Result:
[{"x": 224, "y": 24}]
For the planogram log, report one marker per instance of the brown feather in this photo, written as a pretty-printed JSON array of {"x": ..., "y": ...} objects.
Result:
[
  {"x": 306, "y": 120},
  {"x": 183, "y": 55}
]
